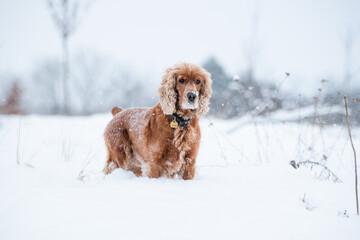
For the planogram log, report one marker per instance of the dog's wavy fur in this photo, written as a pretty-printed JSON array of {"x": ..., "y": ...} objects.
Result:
[{"x": 141, "y": 139}]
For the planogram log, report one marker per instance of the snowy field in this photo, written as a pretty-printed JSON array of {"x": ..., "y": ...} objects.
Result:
[{"x": 245, "y": 187}]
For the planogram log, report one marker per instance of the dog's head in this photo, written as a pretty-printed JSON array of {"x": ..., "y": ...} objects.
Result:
[{"x": 185, "y": 86}]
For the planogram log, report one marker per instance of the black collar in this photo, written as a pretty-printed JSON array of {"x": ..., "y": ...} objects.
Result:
[{"x": 182, "y": 122}]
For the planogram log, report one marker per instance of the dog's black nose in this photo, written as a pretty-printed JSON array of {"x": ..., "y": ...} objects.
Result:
[{"x": 191, "y": 96}]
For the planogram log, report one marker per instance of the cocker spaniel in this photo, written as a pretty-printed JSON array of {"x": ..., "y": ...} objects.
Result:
[{"x": 162, "y": 140}]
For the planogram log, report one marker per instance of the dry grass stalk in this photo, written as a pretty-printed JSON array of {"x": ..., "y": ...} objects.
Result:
[
  {"x": 325, "y": 172},
  {"x": 18, "y": 143},
  {"x": 352, "y": 145}
]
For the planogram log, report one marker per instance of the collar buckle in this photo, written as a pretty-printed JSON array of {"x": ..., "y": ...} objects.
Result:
[{"x": 178, "y": 121}]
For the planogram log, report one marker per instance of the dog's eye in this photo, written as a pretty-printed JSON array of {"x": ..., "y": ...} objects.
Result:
[
  {"x": 181, "y": 80},
  {"x": 198, "y": 81}
]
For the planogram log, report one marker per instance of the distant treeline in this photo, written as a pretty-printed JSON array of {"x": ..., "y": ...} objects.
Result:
[{"x": 97, "y": 84}]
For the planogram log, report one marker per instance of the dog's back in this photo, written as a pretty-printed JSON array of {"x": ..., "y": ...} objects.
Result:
[{"x": 123, "y": 133}]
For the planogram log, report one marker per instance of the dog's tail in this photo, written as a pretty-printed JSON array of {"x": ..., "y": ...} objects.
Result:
[{"x": 116, "y": 110}]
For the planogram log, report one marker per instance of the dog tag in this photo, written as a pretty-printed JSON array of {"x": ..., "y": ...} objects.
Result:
[{"x": 174, "y": 124}]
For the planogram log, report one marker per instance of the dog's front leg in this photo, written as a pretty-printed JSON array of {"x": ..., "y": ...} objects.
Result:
[
  {"x": 188, "y": 169},
  {"x": 153, "y": 171}
]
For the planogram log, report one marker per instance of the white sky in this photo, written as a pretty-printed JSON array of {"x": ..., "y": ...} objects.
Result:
[{"x": 302, "y": 37}]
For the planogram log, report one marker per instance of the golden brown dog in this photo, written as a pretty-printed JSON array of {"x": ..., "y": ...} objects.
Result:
[{"x": 163, "y": 140}]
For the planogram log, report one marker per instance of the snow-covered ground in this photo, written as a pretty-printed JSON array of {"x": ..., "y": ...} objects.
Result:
[{"x": 245, "y": 187}]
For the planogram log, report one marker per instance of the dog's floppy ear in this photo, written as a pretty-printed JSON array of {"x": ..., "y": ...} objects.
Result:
[
  {"x": 205, "y": 94},
  {"x": 167, "y": 94}
]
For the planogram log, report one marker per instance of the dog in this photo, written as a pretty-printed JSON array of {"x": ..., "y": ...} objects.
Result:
[{"x": 162, "y": 141}]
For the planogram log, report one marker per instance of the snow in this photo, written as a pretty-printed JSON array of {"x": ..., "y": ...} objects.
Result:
[{"x": 244, "y": 187}]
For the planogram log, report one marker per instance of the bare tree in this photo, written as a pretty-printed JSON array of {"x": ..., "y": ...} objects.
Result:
[
  {"x": 65, "y": 14},
  {"x": 348, "y": 48},
  {"x": 12, "y": 103},
  {"x": 351, "y": 69},
  {"x": 252, "y": 46},
  {"x": 45, "y": 97}
]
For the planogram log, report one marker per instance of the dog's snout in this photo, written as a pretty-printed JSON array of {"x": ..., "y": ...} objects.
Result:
[{"x": 191, "y": 96}]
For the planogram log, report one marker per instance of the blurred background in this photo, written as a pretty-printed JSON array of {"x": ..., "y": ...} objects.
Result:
[{"x": 80, "y": 57}]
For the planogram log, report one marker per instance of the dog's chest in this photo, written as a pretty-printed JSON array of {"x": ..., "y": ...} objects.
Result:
[{"x": 177, "y": 147}]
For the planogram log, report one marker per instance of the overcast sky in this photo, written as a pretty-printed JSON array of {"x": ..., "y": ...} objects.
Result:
[{"x": 302, "y": 37}]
